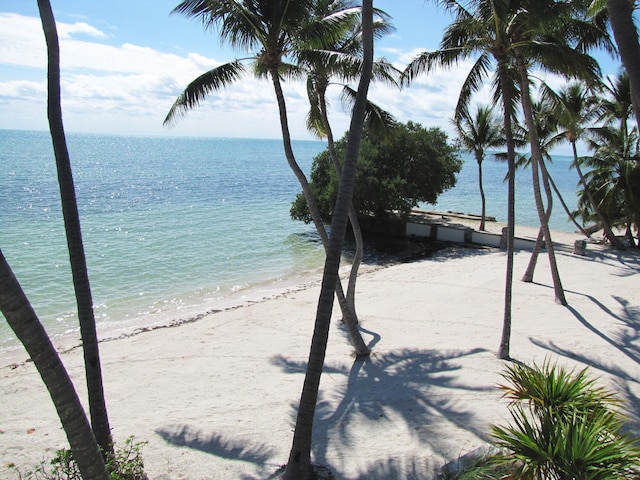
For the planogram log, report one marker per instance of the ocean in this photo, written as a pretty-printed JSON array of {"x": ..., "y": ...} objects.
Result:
[{"x": 174, "y": 227}]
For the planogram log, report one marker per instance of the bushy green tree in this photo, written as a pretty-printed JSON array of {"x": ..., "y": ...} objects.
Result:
[{"x": 394, "y": 175}]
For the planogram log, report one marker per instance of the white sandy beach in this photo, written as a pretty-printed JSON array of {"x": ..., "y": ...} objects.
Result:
[{"x": 215, "y": 399}]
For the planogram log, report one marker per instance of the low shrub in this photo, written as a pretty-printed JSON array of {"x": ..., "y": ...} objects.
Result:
[
  {"x": 126, "y": 464},
  {"x": 564, "y": 427}
]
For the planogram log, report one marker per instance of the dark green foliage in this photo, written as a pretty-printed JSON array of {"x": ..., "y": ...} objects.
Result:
[
  {"x": 414, "y": 165},
  {"x": 564, "y": 427},
  {"x": 125, "y": 464}
]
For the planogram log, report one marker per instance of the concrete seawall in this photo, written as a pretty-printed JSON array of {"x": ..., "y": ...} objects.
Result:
[{"x": 464, "y": 229}]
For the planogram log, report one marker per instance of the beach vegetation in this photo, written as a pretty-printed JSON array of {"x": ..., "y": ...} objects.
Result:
[
  {"x": 508, "y": 40},
  {"x": 478, "y": 133},
  {"x": 614, "y": 178},
  {"x": 299, "y": 465},
  {"x": 575, "y": 107},
  {"x": 625, "y": 33},
  {"x": 284, "y": 32},
  {"x": 343, "y": 69},
  {"x": 73, "y": 232},
  {"x": 547, "y": 127},
  {"x": 413, "y": 165},
  {"x": 85, "y": 439},
  {"x": 564, "y": 426},
  {"x": 480, "y": 32},
  {"x": 124, "y": 463},
  {"x": 614, "y": 165},
  {"x": 24, "y": 322},
  {"x": 552, "y": 36},
  {"x": 281, "y": 33}
]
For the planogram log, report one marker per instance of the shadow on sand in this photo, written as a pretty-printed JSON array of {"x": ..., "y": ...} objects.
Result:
[
  {"x": 626, "y": 339},
  {"x": 417, "y": 387},
  {"x": 186, "y": 436}
]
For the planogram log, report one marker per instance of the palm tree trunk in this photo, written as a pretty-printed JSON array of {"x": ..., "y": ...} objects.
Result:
[
  {"x": 20, "y": 316},
  {"x": 353, "y": 217},
  {"x": 97, "y": 404},
  {"x": 536, "y": 156},
  {"x": 507, "y": 102},
  {"x": 533, "y": 260},
  {"x": 563, "y": 203},
  {"x": 615, "y": 241},
  {"x": 626, "y": 36},
  {"x": 299, "y": 464},
  {"x": 356, "y": 338},
  {"x": 482, "y": 197}
]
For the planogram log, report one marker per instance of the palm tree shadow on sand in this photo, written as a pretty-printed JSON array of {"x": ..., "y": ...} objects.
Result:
[
  {"x": 417, "y": 387},
  {"x": 626, "y": 339},
  {"x": 186, "y": 436}
]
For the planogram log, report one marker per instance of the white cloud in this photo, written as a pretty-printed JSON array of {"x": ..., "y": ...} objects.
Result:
[
  {"x": 68, "y": 30},
  {"x": 21, "y": 41},
  {"x": 127, "y": 84},
  {"x": 129, "y": 88},
  {"x": 23, "y": 89}
]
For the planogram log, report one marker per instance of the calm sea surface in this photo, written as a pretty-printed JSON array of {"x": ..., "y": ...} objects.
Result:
[{"x": 174, "y": 227}]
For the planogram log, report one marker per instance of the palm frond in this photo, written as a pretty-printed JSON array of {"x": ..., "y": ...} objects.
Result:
[
  {"x": 196, "y": 92},
  {"x": 378, "y": 121},
  {"x": 472, "y": 83},
  {"x": 314, "y": 121}
]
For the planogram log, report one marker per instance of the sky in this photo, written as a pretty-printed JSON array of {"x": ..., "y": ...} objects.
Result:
[{"x": 123, "y": 63}]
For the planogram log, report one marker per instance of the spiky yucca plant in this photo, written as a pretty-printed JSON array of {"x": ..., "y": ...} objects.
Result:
[{"x": 564, "y": 427}]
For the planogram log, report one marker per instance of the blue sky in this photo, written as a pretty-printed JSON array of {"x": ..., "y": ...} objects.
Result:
[{"x": 124, "y": 62}]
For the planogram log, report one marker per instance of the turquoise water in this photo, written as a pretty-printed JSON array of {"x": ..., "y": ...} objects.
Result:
[
  {"x": 170, "y": 226},
  {"x": 174, "y": 227},
  {"x": 465, "y": 197}
]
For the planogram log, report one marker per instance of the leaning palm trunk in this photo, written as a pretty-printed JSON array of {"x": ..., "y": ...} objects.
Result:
[
  {"x": 536, "y": 156},
  {"x": 358, "y": 343},
  {"x": 507, "y": 101},
  {"x": 533, "y": 260},
  {"x": 20, "y": 316},
  {"x": 353, "y": 217},
  {"x": 93, "y": 371},
  {"x": 299, "y": 464},
  {"x": 603, "y": 220},
  {"x": 562, "y": 202}
]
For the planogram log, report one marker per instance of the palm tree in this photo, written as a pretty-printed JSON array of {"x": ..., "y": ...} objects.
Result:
[
  {"x": 482, "y": 30},
  {"x": 553, "y": 36},
  {"x": 299, "y": 464},
  {"x": 477, "y": 133},
  {"x": 546, "y": 126},
  {"x": 616, "y": 105},
  {"x": 620, "y": 145},
  {"x": 536, "y": 160},
  {"x": 93, "y": 371},
  {"x": 614, "y": 177},
  {"x": 279, "y": 29},
  {"x": 574, "y": 108},
  {"x": 626, "y": 36},
  {"x": 346, "y": 66},
  {"x": 20, "y": 316}
]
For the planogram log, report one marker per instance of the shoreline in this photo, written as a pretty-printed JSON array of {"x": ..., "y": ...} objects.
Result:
[
  {"x": 219, "y": 396},
  {"x": 138, "y": 323}
]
